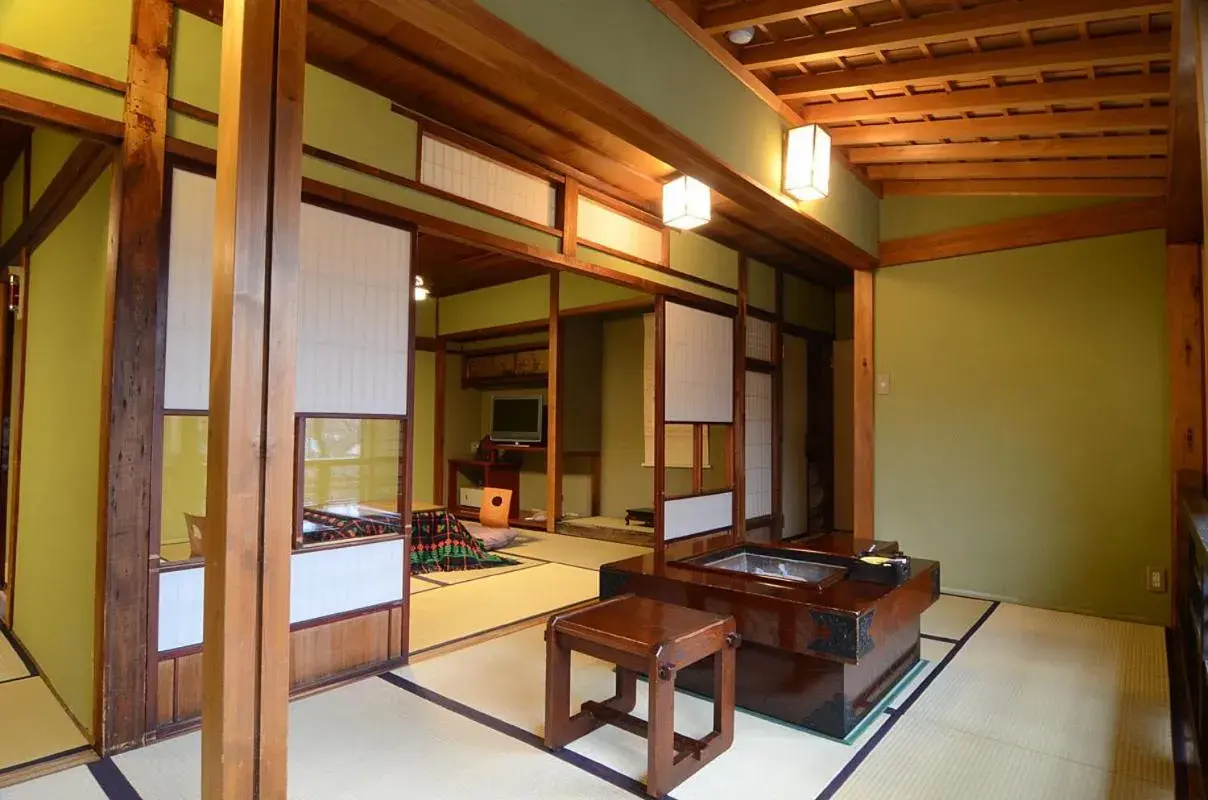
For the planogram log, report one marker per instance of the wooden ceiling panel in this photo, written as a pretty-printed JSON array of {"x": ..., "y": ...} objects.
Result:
[
  {"x": 955, "y": 85},
  {"x": 450, "y": 267}
]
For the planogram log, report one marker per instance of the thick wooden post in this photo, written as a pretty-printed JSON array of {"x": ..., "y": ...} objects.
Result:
[
  {"x": 135, "y": 389},
  {"x": 553, "y": 422},
  {"x": 249, "y": 505},
  {"x": 863, "y": 406},
  {"x": 738, "y": 438}
]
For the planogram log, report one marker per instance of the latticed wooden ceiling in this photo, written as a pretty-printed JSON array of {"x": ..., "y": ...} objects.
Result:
[{"x": 1045, "y": 96}]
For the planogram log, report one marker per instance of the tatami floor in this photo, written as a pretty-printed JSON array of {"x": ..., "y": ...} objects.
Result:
[
  {"x": 44, "y": 733},
  {"x": 1011, "y": 703}
]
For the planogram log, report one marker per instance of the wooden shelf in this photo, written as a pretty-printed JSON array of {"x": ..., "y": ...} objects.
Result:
[{"x": 520, "y": 448}]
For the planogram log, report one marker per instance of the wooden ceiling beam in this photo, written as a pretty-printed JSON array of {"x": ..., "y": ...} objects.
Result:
[
  {"x": 1185, "y": 203},
  {"x": 1022, "y": 170},
  {"x": 1127, "y": 49},
  {"x": 1060, "y": 187},
  {"x": 1036, "y": 148},
  {"x": 1020, "y": 125},
  {"x": 978, "y": 21},
  {"x": 742, "y": 15},
  {"x": 1031, "y": 95}
]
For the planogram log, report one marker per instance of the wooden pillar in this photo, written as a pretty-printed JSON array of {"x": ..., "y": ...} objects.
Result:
[
  {"x": 738, "y": 438},
  {"x": 660, "y": 429},
  {"x": 135, "y": 390},
  {"x": 438, "y": 424},
  {"x": 778, "y": 416},
  {"x": 245, "y": 662},
  {"x": 553, "y": 422},
  {"x": 568, "y": 217},
  {"x": 863, "y": 406}
]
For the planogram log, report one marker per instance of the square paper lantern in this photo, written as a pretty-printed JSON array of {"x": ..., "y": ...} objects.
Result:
[
  {"x": 686, "y": 203},
  {"x": 807, "y": 163}
]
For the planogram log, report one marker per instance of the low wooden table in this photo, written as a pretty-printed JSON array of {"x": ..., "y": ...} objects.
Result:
[
  {"x": 641, "y": 635},
  {"x": 643, "y": 516}
]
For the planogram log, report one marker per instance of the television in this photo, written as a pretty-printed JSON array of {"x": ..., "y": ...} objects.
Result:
[{"x": 517, "y": 418}]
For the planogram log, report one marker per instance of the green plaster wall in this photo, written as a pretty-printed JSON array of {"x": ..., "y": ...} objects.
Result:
[
  {"x": 630, "y": 46},
  {"x": 576, "y": 291},
  {"x": 57, "y": 548},
  {"x": 761, "y": 285},
  {"x": 1024, "y": 442},
  {"x": 50, "y": 149},
  {"x": 902, "y": 217},
  {"x": 84, "y": 33},
  {"x": 809, "y": 304},
  {"x": 425, "y": 317},
  {"x": 506, "y": 304},
  {"x": 704, "y": 258},
  {"x": 423, "y": 419}
]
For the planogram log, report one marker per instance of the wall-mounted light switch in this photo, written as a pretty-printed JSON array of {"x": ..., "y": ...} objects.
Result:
[
  {"x": 1156, "y": 580},
  {"x": 883, "y": 383}
]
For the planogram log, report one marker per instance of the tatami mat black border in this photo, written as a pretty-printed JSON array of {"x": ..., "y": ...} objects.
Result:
[
  {"x": 74, "y": 751},
  {"x": 19, "y": 650},
  {"x": 850, "y": 767},
  {"x": 934, "y": 638},
  {"x": 584, "y": 763},
  {"x": 113, "y": 781}
]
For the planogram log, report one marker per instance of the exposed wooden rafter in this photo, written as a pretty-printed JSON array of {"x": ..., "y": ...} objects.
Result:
[
  {"x": 1023, "y": 170},
  {"x": 1118, "y": 119},
  {"x": 1071, "y": 187},
  {"x": 1088, "y": 147},
  {"x": 978, "y": 21},
  {"x": 742, "y": 15},
  {"x": 1066, "y": 55}
]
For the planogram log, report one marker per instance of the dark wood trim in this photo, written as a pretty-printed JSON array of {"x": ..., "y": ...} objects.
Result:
[
  {"x": 738, "y": 458},
  {"x": 634, "y": 304},
  {"x": 660, "y": 430},
  {"x": 35, "y": 113},
  {"x": 778, "y": 413},
  {"x": 820, "y": 445},
  {"x": 809, "y": 334},
  {"x": 703, "y": 493},
  {"x": 497, "y": 332},
  {"x": 18, "y": 413},
  {"x": 428, "y": 344},
  {"x": 62, "y": 69},
  {"x": 759, "y": 313},
  {"x": 1061, "y": 226},
  {"x": 184, "y": 412},
  {"x": 553, "y": 464},
  {"x": 194, "y": 112},
  {"x": 756, "y": 365},
  {"x": 126, "y": 696},
  {"x": 1184, "y": 202},
  {"x": 759, "y": 522},
  {"x": 87, "y": 162},
  {"x": 438, "y": 426},
  {"x": 415, "y": 185},
  {"x": 698, "y": 458},
  {"x": 568, "y": 217},
  {"x": 704, "y": 304},
  {"x": 407, "y": 486},
  {"x": 507, "y": 348},
  {"x": 299, "y": 478},
  {"x": 864, "y": 407}
]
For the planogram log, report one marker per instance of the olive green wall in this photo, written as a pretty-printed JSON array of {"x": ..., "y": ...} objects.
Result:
[
  {"x": 1024, "y": 441},
  {"x": 505, "y": 304},
  {"x": 761, "y": 286},
  {"x": 83, "y": 33},
  {"x": 809, "y": 305},
  {"x": 423, "y": 432},
  {"x": 625, "y": 482},
  {"x": 630, "y": 46},
  {"x": 60, "y": 455}
]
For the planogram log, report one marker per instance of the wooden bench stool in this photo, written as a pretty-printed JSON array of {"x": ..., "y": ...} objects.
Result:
[{"x": 640, "y": 635}]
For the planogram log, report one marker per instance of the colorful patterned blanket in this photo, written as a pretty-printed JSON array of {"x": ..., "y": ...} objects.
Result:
[{"x": 440, "y": 543}]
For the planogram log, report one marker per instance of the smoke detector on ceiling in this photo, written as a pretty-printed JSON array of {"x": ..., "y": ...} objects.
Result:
[{"x": 741, "y": 35}]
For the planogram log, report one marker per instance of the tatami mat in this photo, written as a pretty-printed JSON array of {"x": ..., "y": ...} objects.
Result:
[
  {"x": 574, "y": 550},
  {"x": 374, "y": 741},
  {"x": 467, "y": 608},
  {"x": 73, "y": 784},
  {"x": 952, "y": 617},
  {"x": 11, "y": 665},
  {"x": 465, "y": 575},
  {"x": 419, "y": 584},
  {"x": 505, "y": 678},
  {"x": 43, "y": 728},
  {"x": 1084, "y": 689}
]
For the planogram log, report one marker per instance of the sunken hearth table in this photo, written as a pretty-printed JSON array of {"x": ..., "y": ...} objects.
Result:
[{"x": 824, "y": 639}]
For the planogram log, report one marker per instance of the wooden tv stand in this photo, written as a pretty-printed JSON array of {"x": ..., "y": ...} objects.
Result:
[{"x": 494, "y": 473}]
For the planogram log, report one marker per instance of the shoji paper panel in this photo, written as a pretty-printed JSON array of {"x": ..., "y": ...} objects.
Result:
[
  {"x": 190, "y": 281},
  {"x": 323, "y": 583},
  {"x": 449, "y": 168},
  {"x": 760, "y": 337},
  {"x": 599, "y": 224},
  {"x": 759, "y": 444},
  {"x": 679, "y": 437},
  {"x": 689, "y": 516},
  {"x": 353, "y": 303},
  {"x": 699, "y": 366}
]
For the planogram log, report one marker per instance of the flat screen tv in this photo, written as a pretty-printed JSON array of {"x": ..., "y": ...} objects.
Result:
[{"x": 517, "y": 419}]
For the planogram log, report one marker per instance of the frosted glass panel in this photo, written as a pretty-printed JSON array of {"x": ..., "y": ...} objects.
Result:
[
  {"x": 688, "y": 516},
  {"x": 699, "y": 375},
  {"x": 760, "y": 337},
  {"x": 353, "y": 303},
  {"x": 190, "y": 284},
  {"x": 451, "y": 169},
  {"x": 602, "y": 225},
  {"x": 758, "y": 445}
]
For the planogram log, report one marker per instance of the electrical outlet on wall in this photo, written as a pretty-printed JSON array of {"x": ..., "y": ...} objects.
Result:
[{"x": 1155, "y": 580}]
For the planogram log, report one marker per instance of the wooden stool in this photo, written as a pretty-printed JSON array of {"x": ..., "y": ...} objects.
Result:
[{"x": 658, "y": 639}]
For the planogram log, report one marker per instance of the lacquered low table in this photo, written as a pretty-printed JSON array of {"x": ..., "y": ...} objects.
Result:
[{"x": 825, "y": 638}]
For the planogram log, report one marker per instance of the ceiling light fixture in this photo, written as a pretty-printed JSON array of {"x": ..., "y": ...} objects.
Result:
[
  {"x": 421, "y": 289},
  {"x": 741, "y": 35},
  {"x": 807, "y": 163},
  {"x": 686, "y": 203}
]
